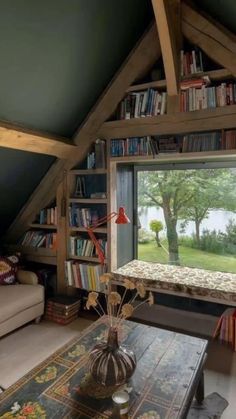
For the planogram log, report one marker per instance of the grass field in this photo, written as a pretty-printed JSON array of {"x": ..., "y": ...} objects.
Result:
[{"x": 188, "y": 257}]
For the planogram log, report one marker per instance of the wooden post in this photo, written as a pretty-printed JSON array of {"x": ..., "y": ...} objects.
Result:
[
  {"x": 170, "y": 54},
  {"x": 61, "y": 235}
]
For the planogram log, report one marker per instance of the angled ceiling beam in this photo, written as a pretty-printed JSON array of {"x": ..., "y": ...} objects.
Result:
[
  {"x": 19, "y": 138},
  {"x": 141, "y": 59},
  {"x": 169, "y": 42},
  {"x": 216, "y": 42}
]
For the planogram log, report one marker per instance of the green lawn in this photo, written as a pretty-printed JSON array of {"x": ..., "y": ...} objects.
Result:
[{"x": 189, "y": 257}]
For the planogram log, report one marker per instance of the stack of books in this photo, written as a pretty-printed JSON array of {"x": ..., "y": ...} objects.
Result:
[
  {"x": 226, "y": 328},
  {"x": 62, "y": 309},
  {"x": 149, "y": 102},
  {"x": 168, "y": 145}
]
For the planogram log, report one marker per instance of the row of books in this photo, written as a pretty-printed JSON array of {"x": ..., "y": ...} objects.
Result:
[
  {"x": 39, "y": 239},
  {"x": 193, "y": 99},
  {"x": 226, "y": 328},
  {"x": 141, "y": 104},
  {"x": 135, "y": 146},
  {"x": 201, "y": 142},
  {"x": 209, "y": 141},
  {"x": 79, "y": 246},
  {"x": 206, "y": 141},
  {"x": 82, "y": 275},
  {"x": 191, "y": 62},
  {"x": 48, "y": 216},
  {"x": 82, "y": 217}
]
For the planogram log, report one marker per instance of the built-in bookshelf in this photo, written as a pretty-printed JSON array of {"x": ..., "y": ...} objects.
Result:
[
  {"x": 87, "y": 204},
  {"x": 39, "y": 242}
]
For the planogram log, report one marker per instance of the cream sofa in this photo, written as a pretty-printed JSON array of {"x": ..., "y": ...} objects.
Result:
[{"x": 20, "y": 303}]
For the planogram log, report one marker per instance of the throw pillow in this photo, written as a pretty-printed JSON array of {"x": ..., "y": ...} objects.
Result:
[{"x": 8, "y": 268}]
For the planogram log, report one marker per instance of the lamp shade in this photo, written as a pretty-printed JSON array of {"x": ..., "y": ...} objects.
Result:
[{"x": 122, "y": 217}]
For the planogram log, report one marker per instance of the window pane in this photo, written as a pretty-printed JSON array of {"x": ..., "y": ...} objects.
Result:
[{"x": 188, "y": 217}]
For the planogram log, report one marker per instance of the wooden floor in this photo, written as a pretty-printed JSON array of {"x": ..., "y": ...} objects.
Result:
[{"x": 220, "y": 375}]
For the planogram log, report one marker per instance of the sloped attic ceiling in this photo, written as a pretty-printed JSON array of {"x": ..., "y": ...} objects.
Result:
[{"x": 57, "y": 56}]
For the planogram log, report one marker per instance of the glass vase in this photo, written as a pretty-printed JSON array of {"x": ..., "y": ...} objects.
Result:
[{"x": 111, "y": 364}]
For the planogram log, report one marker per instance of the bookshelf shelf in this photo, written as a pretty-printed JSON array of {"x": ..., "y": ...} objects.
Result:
[
  {"x": 164, "y": 157},
  {"x": 35, "y": 254},
  {"x": 214, "y": 75},
  {"x": 84, "y": 230},
  {"x": 43, "y": 226},
  {"x": 88, "y": 200},
  {"x": 88, "y": 172},
  {"x": 85, "y": 258},
  {"x": 178, "y": 123}
]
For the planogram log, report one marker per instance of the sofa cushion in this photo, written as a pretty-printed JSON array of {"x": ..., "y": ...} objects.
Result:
[
  {"x": 18, "y": 298},
  {"x": 8, "y": 268}
]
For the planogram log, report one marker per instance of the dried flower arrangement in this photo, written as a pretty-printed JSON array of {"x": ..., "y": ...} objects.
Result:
[{"x": 117, "y": 311}]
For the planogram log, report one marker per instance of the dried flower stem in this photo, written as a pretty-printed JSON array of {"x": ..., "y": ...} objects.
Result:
[
  {"x": 140, "y": 304},
  {"x": 121, "y": 303},
  {"x": 100, "y": 306}
]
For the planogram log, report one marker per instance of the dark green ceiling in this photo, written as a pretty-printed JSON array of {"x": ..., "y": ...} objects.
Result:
[{"x": 57, "y": 56}]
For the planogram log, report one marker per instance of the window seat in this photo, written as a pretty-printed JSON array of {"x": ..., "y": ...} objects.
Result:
[
  {"x": 204, "y": 290},
  {"x": 201, "y": 284}
]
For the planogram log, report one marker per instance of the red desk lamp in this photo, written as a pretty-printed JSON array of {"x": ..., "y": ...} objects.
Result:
[{"x": 121, "y": 219}]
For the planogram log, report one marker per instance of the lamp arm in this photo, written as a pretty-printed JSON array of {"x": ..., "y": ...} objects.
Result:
[
  {"x": 92, "y": 236},
  {"x": 102, "y": 220},
  {"x": 100, "y": 252}
]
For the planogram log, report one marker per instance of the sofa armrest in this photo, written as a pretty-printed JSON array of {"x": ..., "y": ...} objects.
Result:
[{"x": 27, "y": 277}]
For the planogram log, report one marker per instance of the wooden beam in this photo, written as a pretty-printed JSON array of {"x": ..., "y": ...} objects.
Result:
[
  {"x": 179, "y": 123},
  {"x": 216, "y": 42},
  {"x": 141, "y": 59},
  {"x": 170, "y": 54},
  {"x": 19, "y": 138}
]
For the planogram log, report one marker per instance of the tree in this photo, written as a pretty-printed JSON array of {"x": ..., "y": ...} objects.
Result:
[
  {"x": 214, "y": 189},
  {"x": 186, "y": 195},
  {"x": 171, "y": 191},
  {"x": 156, "y": 226}
]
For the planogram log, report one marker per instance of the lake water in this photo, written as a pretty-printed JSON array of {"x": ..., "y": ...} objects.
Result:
[{"x": 217, "y": 220}]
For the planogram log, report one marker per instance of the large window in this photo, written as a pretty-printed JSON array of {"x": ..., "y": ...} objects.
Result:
[{"x": 187, "y": 215}]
